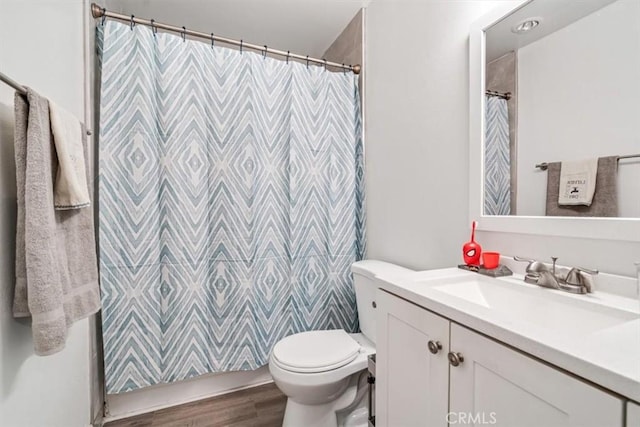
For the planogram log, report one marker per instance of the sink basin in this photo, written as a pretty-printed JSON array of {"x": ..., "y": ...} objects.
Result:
[{"x": 547, "y": 309}]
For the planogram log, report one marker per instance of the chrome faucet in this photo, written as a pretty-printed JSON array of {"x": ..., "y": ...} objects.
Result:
[{"x": 576, "y": 280}]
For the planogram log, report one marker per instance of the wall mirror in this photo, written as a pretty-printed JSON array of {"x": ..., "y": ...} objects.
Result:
[{"x": 555, "y": 118}]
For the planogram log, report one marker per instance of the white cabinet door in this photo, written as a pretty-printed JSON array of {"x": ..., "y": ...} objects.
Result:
[
  {"x": 499, "y": 386},
  {"x": 411, "y": 381},
  {"x": 633, "y": 414}
]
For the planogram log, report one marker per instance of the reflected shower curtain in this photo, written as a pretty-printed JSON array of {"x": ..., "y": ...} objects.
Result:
[
  {"x": 497, "y": 160},
  {"x": 231, "y": 205}
]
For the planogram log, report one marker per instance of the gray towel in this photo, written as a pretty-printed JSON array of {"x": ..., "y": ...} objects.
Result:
[
  {"x": 605, "y": 199},
  {"x": 56, "y": 267}
]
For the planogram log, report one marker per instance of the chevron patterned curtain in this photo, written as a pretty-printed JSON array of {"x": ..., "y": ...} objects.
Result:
[
  {"x": 497, "y": 160},
  {"x": 231, "y": 205}
]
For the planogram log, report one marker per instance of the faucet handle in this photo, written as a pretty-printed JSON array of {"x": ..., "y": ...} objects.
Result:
[
  {"x": 587, "y": 270},
  {"x": 578, "y": 277},
  {"x": 534, "y": 266}
]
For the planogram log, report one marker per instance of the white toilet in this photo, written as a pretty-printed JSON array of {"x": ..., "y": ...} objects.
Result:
[{"x": 324, "y": 373}]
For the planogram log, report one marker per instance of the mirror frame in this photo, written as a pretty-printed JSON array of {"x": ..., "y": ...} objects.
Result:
[{"x": 623, "y": 229}]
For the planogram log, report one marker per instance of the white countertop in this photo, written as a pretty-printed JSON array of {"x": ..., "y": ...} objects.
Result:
[{"x": 609, "y": 357}]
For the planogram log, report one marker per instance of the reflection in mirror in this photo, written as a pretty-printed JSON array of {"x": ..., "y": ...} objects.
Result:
[{"x": 562, "y": 112}]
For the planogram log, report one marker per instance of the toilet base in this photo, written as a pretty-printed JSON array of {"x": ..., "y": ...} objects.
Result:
[
  {"x": 332, "y": 414},
  {"x": 297, "y": 415}
]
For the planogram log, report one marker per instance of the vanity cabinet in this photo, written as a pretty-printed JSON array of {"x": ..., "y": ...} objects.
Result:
[
  {"x": 472, "y": 379},
  {"x": 633, "y": 414},
  {"x": 411, "y": 389},
  {"x": 497, "y": 383}
]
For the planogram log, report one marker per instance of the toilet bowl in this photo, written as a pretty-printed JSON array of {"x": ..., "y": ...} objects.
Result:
[{"x": 323, "y": 373}]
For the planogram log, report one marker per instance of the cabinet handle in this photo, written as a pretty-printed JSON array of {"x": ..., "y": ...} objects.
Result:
[
  {"x": 434, "y": 346},
  {"x": 455, "y": 358}
]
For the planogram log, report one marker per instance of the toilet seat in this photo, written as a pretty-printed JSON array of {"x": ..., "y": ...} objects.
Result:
[{"x": 315, "y": 351}]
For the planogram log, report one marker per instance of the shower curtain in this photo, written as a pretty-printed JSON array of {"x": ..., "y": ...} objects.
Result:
[
  {"x": 497, "y": 161},
  {"x": 230, "y": 205}
]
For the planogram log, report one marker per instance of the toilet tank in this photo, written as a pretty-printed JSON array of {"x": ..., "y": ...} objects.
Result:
[{"x": 365, "y": 284}]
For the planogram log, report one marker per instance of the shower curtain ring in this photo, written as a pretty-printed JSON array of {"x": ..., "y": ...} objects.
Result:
[
  {"x": 307, "y": 61},
  {"x": 154, "y": 29},
  {"x": 344, "y": 69},
  {"x": 325, "y": 64},
  {"x": 264, "y": 53},
  {"x": 288, "y": 53},
  {"x": 183, "y": 33},
  {"x": 104, "y": 16},
  {"x": 131, "y": 23},
  {"x": 212, "y": 40},
  {"x": 241, "y": 45}
]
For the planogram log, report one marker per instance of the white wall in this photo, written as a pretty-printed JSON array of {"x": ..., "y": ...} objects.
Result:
[
  {"x": 586, "y": 77},
  {"x": 41, "y": 45},
  {"x": 417, "y": 129},
  {"x": 417, "y": 145}
]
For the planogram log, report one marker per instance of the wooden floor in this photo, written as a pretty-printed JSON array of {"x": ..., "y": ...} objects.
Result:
[{"x": 258, "y": 406}]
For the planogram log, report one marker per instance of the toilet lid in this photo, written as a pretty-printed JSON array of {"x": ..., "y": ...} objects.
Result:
[{"x": 316, "y": 351}]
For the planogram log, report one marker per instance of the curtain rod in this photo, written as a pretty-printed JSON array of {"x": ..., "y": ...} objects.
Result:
[
  {"x": 19, "y": 88},
  {"x": 505, "y": 95},
  {"x": 544, "y": 166},
  {"x": 101, "y": 12}
]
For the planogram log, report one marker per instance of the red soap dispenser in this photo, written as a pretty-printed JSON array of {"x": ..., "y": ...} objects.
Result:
[{"x": 471, "y": 251}]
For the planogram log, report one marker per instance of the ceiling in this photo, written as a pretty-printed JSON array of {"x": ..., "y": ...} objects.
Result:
[
  {"x": 554, "y": 15},
  {"x": 306, "y": 27}
]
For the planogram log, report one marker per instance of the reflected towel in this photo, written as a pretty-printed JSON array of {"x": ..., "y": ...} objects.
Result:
[
  {"x": 577, "y": 182},
  {"x": 71, "y": 190},
  {"x": 605, "y": 198},
  {"x": 56, "y": 269}
]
